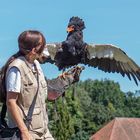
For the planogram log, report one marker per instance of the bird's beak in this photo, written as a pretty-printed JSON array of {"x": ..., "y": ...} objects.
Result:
[{"x": 70, "y": 29}]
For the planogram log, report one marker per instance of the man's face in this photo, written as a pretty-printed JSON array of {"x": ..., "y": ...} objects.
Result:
[
  {"x": 35, "y": 53},
  {"x": 38, "y": 50}
]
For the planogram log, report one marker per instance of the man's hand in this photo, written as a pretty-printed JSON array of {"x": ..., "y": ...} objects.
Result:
[
  {"x": 25, "y": 135},
  {"x": 73, "y": 73},
  {"x": 57, "y": 86},
  {"x": 14, "y": 110}
]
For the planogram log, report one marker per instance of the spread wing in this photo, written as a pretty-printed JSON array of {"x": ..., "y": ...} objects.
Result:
[
  {"x": 112, "y": 59},
  {"x": 107, "y": 58},
  {"x": 53, "y": 49}
]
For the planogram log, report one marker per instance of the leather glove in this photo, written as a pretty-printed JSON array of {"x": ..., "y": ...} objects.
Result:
[{"x": 57, "y": 86}]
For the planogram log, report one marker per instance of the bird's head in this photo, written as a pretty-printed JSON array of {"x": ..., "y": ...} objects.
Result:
[{"x": 75, "y": 24}]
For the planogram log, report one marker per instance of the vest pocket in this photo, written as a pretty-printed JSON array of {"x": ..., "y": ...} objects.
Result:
[
  {"x": 43, "y": 90},
  {"x": 37, "y": 119},
  {"x": 29, "y": 91},
  {"x": 43, "y": 84}
]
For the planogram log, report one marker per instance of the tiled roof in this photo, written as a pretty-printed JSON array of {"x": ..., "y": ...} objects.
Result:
[{"x": 119, "y": 129}]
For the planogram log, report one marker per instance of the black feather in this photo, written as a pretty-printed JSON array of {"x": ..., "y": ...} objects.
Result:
[
  {"x": 73, "y": 47},
  {"x": 77, "y": 22}
]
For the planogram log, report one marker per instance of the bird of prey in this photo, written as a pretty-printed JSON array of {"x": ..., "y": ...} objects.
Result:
[{"x": 74, "y": 51}]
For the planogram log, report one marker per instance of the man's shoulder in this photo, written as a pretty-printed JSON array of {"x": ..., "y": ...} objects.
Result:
[{"x": 18, "y": 62}]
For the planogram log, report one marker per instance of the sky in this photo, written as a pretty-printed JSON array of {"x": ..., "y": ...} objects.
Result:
[{"x": 107, "y": 22}]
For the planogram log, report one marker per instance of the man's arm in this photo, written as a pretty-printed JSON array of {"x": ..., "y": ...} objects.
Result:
[
  {"x": 57, "y": 86},
  {"x": 14, "y": 110}
]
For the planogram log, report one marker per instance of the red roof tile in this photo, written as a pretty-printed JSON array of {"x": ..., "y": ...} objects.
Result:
[{"x": 119, "y": 129}]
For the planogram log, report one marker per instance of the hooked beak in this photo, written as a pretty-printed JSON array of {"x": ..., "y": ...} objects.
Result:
[{"x": 70, "y": 29}]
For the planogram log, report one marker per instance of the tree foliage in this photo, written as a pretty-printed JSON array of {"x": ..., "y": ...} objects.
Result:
[{"x": 88, "y": 106}]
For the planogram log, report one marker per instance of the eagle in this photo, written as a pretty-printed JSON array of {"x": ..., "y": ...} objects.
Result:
[{"x": 74, "y": 51}]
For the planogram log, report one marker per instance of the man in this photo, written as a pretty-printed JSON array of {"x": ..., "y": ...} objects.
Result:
[{"x": 22, "y": 84}]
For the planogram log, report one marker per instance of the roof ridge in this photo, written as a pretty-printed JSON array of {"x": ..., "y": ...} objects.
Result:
[
  {"x": 122, "y": 128},
  {"x": 112, "y": 128}
]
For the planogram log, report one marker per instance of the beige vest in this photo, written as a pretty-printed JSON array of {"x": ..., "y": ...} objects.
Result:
[{"x": 28, "y": 90}]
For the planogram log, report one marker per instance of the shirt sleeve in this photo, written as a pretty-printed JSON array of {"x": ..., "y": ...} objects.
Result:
[{"x": 13, "y": 80}]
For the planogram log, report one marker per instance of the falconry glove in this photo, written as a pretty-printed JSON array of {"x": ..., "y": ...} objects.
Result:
[{"x": 57, "y": 86}]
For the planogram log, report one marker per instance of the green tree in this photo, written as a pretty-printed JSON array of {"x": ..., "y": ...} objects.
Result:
[{"x": 88, "y": 106}]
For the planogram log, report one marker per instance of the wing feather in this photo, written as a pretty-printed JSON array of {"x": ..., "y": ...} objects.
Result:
[
  {"x": 109, "y": 58},
  {"x": 113, "y": 66},
  {"x": 138, "y": 75},
  {"x": 106, "y": 57},
  {"x": 121, "y": 69},
  {"x": 53, "y": 49},
  {"x": 125, "y": 67},
  {"x": 133, "y": 72}
]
